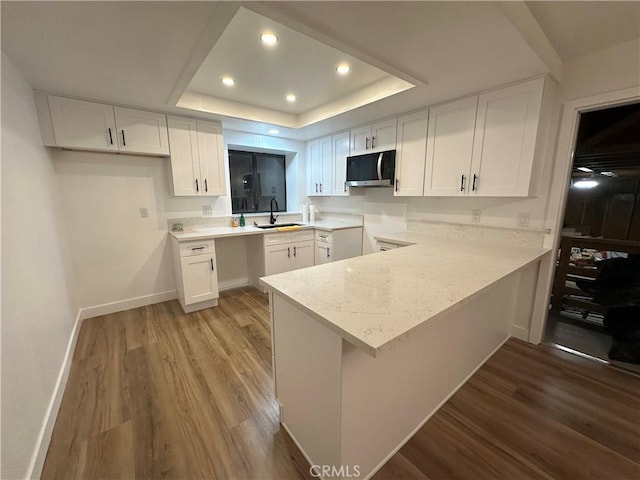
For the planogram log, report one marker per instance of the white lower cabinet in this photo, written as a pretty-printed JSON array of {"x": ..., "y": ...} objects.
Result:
[
  {"x": 284, "y": 252},
  {"x": 199, "y": 278},
  {"x": 333, "y": 245},
  {"x": 196, "y": 274}
]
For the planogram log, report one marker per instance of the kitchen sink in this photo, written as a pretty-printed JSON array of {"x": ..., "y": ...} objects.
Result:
[{"x": 277, "y": 225}]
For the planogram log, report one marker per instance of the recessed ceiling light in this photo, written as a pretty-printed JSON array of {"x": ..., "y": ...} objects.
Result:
[
  {"x": 585, "y": 169},
  {"x": 228, "y": 81},
  {"x": 273, "y": 131},
  {"x": 268, "y": 38},
  {"x": 291, "y": 97},
  {"x": 343, "y": 69}
]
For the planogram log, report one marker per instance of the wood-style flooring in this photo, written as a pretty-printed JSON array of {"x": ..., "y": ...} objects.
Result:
[{"x": 154, "y": 393}]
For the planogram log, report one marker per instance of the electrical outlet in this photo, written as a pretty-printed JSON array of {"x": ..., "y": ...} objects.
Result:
[
  {"x": 144, "y": 212},
  {"x": 475, "y": 216},
  {"x": 207, "y": 210},
  {"x": 523, "y": 219}
]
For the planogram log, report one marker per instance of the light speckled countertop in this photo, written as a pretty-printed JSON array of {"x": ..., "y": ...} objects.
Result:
[
  {"x": 202, "y": 233},
  {"x": 375, "y": 300}
]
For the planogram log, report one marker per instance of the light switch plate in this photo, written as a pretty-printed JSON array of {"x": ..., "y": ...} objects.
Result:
[
  {"x": 144, "y": 212},
  {"x": 207, "y": 210},
  {"x": 475, "y": 216}
]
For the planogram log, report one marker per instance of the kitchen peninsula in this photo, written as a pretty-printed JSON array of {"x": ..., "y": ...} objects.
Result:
[{"x": 368, "y": 348}]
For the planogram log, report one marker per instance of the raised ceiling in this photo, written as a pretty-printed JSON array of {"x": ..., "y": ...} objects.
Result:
[
  {"x": 297, "y": 65},
  {"x": 145, "y": 54}
]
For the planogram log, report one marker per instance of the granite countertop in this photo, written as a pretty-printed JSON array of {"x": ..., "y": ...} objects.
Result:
[
  {"x": 202, "y": 233},
  {"x": 375, "y": 300}
]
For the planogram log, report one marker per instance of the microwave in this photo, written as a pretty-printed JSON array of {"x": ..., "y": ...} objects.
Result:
[{"x": 371, "y": 169}]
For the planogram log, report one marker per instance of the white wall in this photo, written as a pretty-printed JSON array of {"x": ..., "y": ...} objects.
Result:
[
  {"x": 38, "y": 305},
  {"x": 606, "y": 70},
  {"x": 117, "y": 255}
]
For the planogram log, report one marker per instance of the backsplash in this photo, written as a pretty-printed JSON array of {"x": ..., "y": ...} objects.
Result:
[{"x": 506, "y": 236}]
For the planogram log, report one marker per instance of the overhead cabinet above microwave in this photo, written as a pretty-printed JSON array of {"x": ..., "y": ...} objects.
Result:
[
  {"x": 83, "y": 125},
  {"x": 378, "y": 137}
]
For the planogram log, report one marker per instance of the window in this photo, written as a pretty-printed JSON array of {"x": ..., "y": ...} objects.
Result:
[{"x": 256, "y": 179}]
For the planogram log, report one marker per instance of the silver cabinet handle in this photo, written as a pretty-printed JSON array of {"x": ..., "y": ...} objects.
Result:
[{"x": 379, "y": 166}]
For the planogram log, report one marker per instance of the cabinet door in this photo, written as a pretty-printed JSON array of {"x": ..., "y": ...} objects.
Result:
[
  {"x": 200, "y": 278},
  {"x": 211, "y": 154},
  {"x": 277, "y": 259},
  {"x": 323, "y": 253},
  {"x": 505, "y": 140},
  {"x": 313, "y": 168},
  {"x": 410, "y": 154},
  {"x": 185, "y": 165},
  {"x": 449, "y": 148},
  {"x": 360, "y": 139},
  {"x": 303, "y": 254},
  {"x": 81, "y": 124},
  {"x": 383, "y": 135},
  {"x": 324, "y": 165},
  {"x": 142, "y": 132},
  {"x": 339, "y": 170}
]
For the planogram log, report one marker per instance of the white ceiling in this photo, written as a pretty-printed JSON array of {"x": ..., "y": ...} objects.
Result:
[
  {"x": 297, "y": 64},
  {"x": 578, "y": 28},
  {"x": 146, "y": 53}
]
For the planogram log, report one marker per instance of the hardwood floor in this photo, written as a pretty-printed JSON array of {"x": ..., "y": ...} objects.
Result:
[{"x": 155, "y": 393}]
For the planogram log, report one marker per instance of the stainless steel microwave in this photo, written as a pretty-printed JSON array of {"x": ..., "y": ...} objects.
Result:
[{"x": 371, "y": 169}]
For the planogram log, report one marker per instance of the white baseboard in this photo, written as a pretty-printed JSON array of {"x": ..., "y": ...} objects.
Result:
[
  {"x": 44, "y": 437},
  {"x": 243, "y": 282},
  {"x": 520, "y": 333},
  {"x": 121, "y": 305}
]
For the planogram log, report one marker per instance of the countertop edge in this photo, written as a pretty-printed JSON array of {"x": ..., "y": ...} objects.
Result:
[{"x": 375, "y": 351}]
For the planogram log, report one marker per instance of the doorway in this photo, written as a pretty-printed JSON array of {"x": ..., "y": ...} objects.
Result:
[{"x": 593, "y": 307}]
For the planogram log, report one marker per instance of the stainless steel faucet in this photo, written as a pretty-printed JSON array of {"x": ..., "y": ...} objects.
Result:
[{"x": 272, "y": 218}]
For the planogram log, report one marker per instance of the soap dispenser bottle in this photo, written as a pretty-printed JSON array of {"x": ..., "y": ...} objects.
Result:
[{"x": 242, "y": 220}]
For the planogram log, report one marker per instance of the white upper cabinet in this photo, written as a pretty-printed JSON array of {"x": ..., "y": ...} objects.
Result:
[
  {"x": 80, "y": 124},
  {"x": 141, "y": 132},
  {"x": 319, "y": 166},
  {"x": 504, "y": 147},
  {"x": 410, "y": 154},
  {"x": 450, "y": 147},
  {"x": 211, "y": 153},
  {"x": 197, "y": 157},
  {"x": 339, "y": 173},
  {"x": 377, "y": 137}
]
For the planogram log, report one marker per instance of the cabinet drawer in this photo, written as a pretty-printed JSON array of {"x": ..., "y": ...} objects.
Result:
[
  {"x": 384, "y": 246},
  {"x": 195, "y": 247},
  {"x": 323, "y": 236},
  {"x": 287, "y": 237},
  {"x": 301, "y": 236}
]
